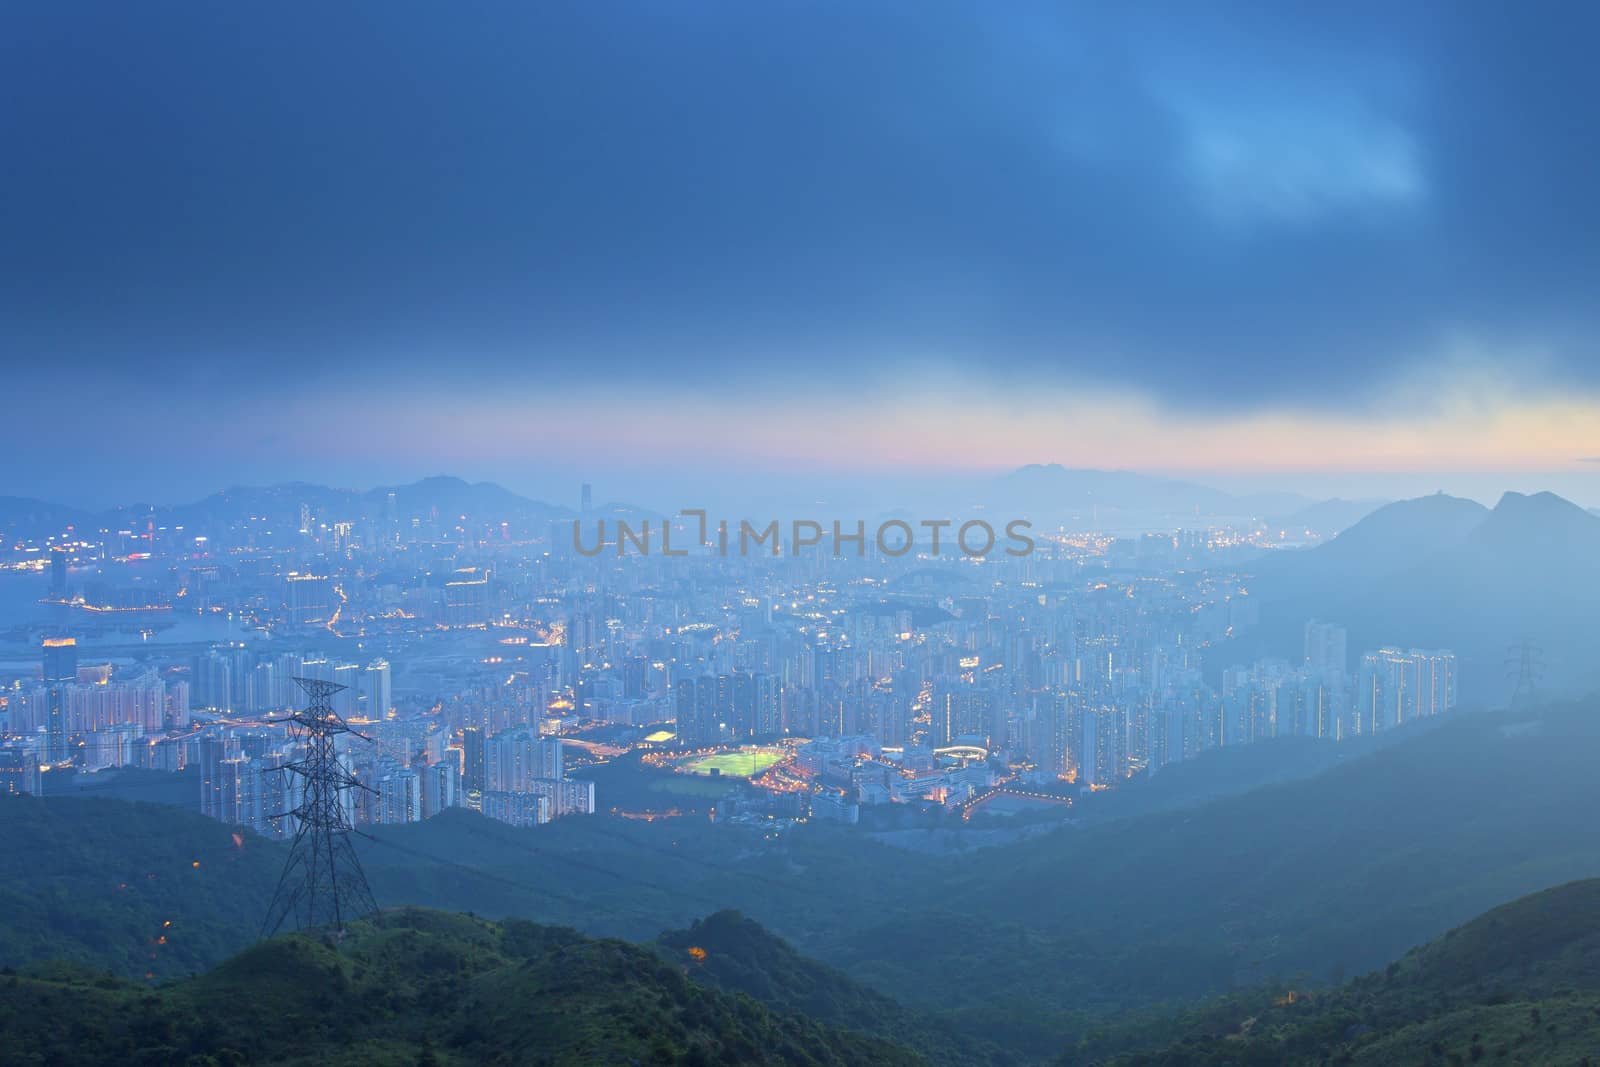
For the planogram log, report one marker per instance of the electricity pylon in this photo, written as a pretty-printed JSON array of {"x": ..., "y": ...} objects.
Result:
[
  {"x": 1525, "y": 667},
  {"x": 322, "y": 883}
]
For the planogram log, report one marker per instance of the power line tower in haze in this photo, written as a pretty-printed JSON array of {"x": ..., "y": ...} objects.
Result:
[
  {"x": 322, "y": 883},
  {"x": 1525, "y": 667}
]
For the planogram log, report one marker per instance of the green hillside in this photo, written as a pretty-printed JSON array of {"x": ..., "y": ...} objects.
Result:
[
  {"x": 1321, "y": 879},
  {"x": 1518, "y": 985},
  {"x": 127, "y": 887},
  {"x": 1086, "y": 937},
  {"x": 416, "y": 987},
  {"x": 734, "y": 953}
]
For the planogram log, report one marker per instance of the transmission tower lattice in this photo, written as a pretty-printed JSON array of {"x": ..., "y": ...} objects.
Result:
[
  {"x": 1525, "y": 667},
  {"x": 322, "y": 883}
]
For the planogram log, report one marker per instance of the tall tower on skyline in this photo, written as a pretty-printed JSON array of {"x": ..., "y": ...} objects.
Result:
[
  {"x": 1325, "y": 648},
  {"x": 58, "y": 572},
  {"x": 379, "y": 689},
  {"x": 60, "y": 668}
]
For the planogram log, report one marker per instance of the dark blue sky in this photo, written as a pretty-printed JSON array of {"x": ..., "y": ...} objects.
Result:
[{"x": 594, "y": 216}]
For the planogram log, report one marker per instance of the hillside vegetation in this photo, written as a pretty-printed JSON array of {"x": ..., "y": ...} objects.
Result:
[
  {"x": 734, "y": 953},
  {"x": 1518, "y": 985},
  {"x": 418, "y": 987},
  {"x": 1034, "y": 947},
  {"x": 131, "y": 888}
]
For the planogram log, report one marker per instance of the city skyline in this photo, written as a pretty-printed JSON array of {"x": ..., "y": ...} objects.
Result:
[
  {"x": 933, "y": 533},
  {"x": 758, "y": 499}
]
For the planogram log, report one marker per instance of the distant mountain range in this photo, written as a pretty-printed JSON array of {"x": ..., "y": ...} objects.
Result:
[
  {"x": 1438, "y": 571},
  {"x": 441, "y": 496},
  {"x": 1442, "y": 572},
  {"x": 1049, "y": 494},
  {"x": 1109, "y": 499},
  {"x": 1052, "y": 485},
  {"x": 1330, "y": 517},
  {"x": 1390, "y": 538}
]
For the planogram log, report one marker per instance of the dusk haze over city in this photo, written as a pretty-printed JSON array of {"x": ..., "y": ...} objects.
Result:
[{"x": 1017, "y": 535}]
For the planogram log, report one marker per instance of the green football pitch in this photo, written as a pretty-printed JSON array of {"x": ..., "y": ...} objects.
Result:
[{"x": 734, "y": 764}]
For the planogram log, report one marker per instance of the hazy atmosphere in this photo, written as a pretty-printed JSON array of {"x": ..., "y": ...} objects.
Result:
[{"x": 1011, "y": 534}]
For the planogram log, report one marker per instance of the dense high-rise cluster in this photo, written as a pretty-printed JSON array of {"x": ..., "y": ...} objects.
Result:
[{"x": 492, "y": 666}]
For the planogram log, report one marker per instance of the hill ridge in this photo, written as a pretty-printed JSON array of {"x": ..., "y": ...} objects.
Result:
[{"x": 414, "y": 986}]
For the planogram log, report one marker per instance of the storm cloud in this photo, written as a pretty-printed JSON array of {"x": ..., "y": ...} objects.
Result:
[{"x": 1220, "y": 207}]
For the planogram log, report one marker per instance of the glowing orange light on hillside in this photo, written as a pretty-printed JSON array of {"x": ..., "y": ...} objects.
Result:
[{"x": 697, "y": 953}]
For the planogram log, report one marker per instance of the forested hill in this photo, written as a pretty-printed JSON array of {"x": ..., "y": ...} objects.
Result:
[
  {"x": 1520, "y": 984},
  {"x": 102, "y": 882},
  {"x": 737, "y": 954},
  {"x": 418, "y": 987},
  {"x": 1030, "y": 946}
]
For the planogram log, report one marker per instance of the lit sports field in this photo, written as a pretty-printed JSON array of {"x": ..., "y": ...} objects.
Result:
[{"x": 734, "y": 764}]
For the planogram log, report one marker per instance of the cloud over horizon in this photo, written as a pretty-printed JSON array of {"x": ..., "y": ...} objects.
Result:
[{"x": 1240, "y": 211}]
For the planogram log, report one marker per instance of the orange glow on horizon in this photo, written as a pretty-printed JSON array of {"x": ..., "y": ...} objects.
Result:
[{"x": 1480, "y": 428}]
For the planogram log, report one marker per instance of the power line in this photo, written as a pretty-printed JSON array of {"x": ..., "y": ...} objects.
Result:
[
  {"x": 477, "y": 872},
  {"x": 593, "y": 868},
  {"x": 699, "y": 861},
  {"x": 735, "y": 871}
]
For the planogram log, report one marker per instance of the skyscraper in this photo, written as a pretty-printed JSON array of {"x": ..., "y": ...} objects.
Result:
[
  {"x": 1325, "y": 649},
  {"x": 378, "y": 689},
  {"x": 697, "y": 707},
  {"x": 58, "y": 572},
  {"x": 465, "y": 601},
  {"x": 1434, "y": 681},
  {"x": 1394, "y": 687},
  {"x": 346, "y": 701},
  {"x": 308, "y": 599},
  {"x": 515, "y": 758},
  {"x": 473, "y": 756},
  {"x": 400, "y": 796},
  {"x": 60, "y": 671}
]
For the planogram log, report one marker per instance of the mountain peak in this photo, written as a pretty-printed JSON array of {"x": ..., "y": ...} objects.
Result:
[
  {"x": 1539, "y": 520},
  {"x": 1398, "y": 529},
  {"x": 1542, "y": 503}
]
